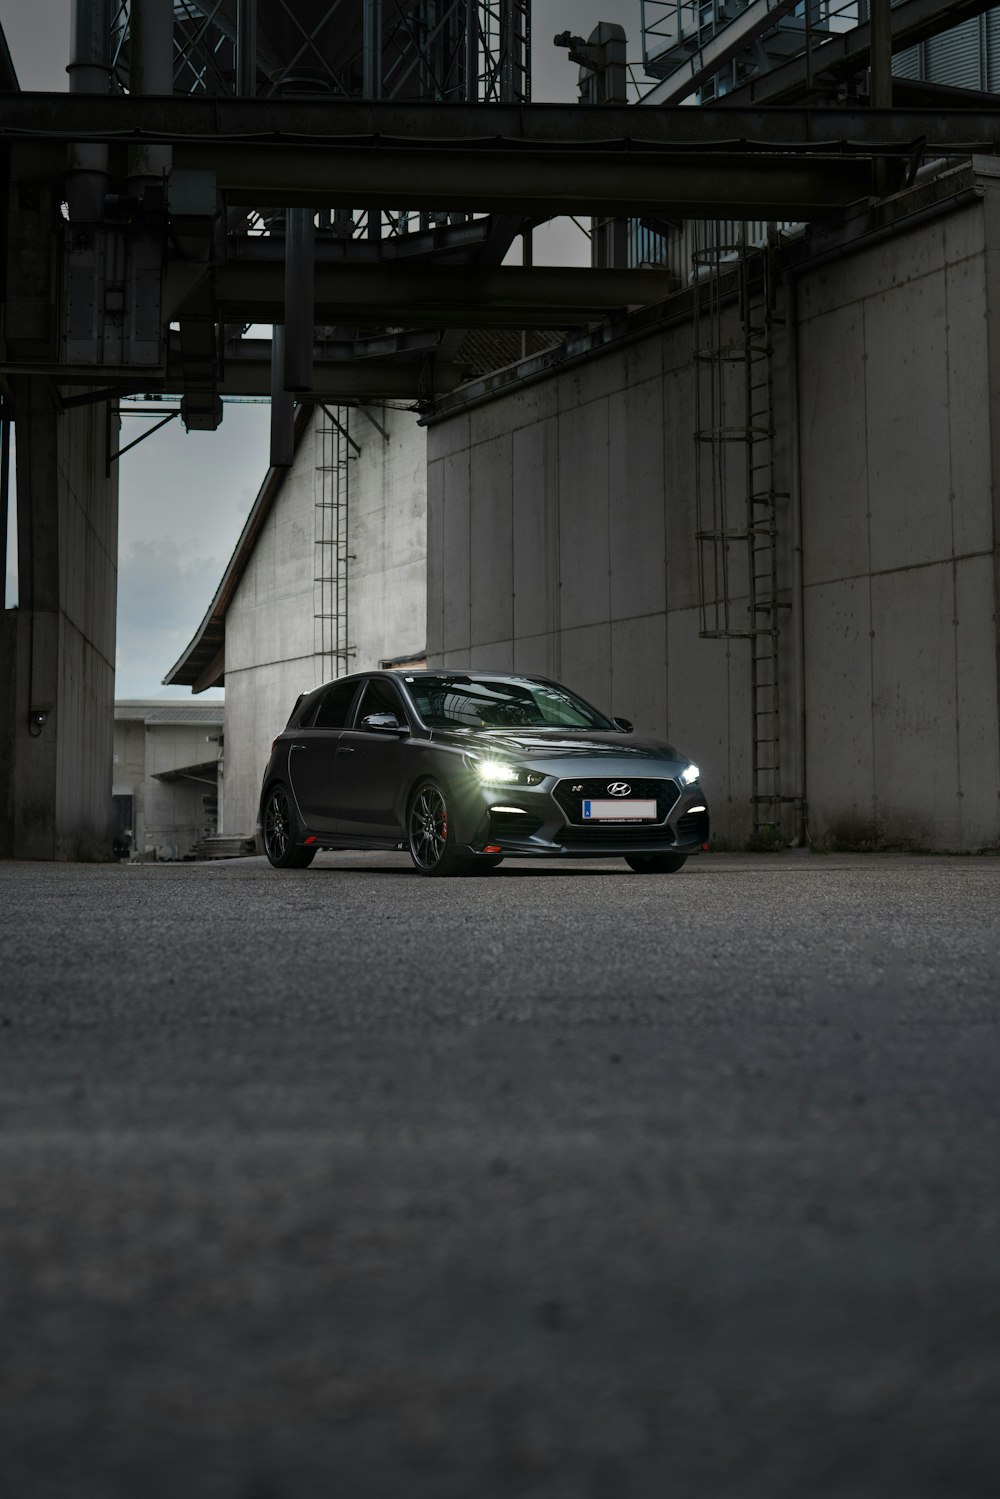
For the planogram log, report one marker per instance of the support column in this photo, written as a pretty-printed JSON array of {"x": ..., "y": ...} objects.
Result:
[{"x": 57, "y": 667}]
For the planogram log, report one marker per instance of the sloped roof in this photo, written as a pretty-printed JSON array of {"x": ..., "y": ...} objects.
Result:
[
  {"x": 203, "y": 663},
  {"x": 157, "y": 710}
]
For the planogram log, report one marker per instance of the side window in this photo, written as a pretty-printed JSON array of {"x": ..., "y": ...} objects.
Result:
[
  {"x": 380, "y": 697},
  {"x": 336, "y": 706}
]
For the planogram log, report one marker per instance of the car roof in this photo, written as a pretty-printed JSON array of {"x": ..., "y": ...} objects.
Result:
[{"x": 407, "y": 674}]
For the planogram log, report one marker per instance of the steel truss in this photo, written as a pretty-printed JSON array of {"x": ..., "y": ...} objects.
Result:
[{"x": 442, "y": 50}]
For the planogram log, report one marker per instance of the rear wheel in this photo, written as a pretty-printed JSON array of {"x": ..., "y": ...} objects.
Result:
[
  {"x": 656, "y": 863},
  {"x": 281, "y": 829},
  {"x": 432, "y": 836}
]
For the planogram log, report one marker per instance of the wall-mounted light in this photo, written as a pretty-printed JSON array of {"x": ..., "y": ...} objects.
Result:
[{"x": 37, "y": 719}]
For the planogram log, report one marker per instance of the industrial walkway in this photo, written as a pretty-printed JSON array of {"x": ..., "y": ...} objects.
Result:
[{"x": 562, "y": 1183}]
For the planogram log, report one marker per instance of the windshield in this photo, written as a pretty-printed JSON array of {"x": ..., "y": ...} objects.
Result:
[{"x": 467, "y": 702}]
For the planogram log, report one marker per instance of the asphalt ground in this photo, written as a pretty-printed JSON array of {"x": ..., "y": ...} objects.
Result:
[{"x": 558, "y": 1183}]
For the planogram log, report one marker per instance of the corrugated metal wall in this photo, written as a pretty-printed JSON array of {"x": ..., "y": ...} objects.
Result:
[{"x": 967, "y": 56}]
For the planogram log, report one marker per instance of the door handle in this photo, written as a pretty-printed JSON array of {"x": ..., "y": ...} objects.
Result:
[
  {"x": 344, "y": 749},
  {"x": 295, "y": 747}
]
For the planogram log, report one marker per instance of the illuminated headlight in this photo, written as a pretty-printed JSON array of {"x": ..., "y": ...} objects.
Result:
[
  {"x": 689, "y": 775},
  {"x": 499, "y": 773}
]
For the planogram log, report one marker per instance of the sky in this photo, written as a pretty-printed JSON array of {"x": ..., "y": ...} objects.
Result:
[{"x": 184, "y": 496}]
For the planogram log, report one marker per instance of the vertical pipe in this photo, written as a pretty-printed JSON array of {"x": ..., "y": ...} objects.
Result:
[
  {"x": 809, "y": 46},
  {"x": 880, "y": 31},
  {"x": 300, "y": 298},
  {"x": 246, "y": 49},
  {"x": 527, "y": 260},
  {"x": 471, "y": 51},
  {"x": 798, "y": 590},
  {"x": 282, "y": 405},
  {"x": 881, "y": 54},
  {"x": 372, "y": 44},
  {"x": 89, "y": 70},
  {"x": 372, "y": 85},
  {"x": 151, "y": 71},
  {"x": 4, "y": 496}
]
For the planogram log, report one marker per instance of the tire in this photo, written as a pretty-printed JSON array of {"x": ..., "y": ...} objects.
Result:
[
  {"x": 656, "y": 863},
  {"x": 431, "y": 835},
  {"x": 281, "y": 829}
]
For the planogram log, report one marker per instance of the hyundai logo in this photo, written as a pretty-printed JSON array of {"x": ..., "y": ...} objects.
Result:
[{"x": 619, "y": 788}]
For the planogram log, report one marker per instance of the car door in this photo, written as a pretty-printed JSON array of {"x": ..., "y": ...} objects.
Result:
[
  {"x": 313, "y": 764},
  {"x": 370, "y": 766}
]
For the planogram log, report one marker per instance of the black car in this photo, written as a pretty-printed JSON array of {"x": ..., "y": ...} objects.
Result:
[{"x": 465, "y": 768}]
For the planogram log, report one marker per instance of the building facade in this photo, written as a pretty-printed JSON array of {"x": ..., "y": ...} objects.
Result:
[
  {"x": 567, "y": 530},
  {"x": 168, "y": 776},
  {"x": 328, "y": 577}
]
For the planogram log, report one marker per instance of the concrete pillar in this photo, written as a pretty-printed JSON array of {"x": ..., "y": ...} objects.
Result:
[{"x": 57, "y": 663}]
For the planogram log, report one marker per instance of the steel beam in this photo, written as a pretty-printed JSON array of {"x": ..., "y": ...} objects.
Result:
[
  {"x": 367, "y": 380},
  {"x": 552, "y": 132},
  {"x": 436, "y": 296}
]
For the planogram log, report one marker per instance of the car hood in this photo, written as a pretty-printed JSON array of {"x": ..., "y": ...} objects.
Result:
[{"x": 525, "y": 746}]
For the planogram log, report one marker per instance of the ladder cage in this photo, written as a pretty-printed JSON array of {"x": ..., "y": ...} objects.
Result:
[
  {"x": 737, "y": 497},
  {"x": 331, "y": 575}
]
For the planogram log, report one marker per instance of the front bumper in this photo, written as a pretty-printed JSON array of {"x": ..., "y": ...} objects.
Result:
[{"x": 539, "y": 822}]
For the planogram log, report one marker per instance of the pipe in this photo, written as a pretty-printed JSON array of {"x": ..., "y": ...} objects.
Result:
[
  {"x": 801, "y": 839},
  {"x": 472, "y": 52},
  {"x": 372, "y": 49},
  {"x": 89, "y": 70},
  {"x": 282, "y": 405},
  {"x": 300, "y": 298},
  {"x": 4, "y": 493},
  {"x": 151, "y": 71},
  {"x": 246, "y": 49}
]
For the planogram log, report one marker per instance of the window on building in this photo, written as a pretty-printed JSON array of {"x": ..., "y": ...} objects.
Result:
[{"x": 335, "y": 705}]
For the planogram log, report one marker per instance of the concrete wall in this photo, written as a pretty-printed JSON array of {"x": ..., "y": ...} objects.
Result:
[
  {"x": 897, "y": 421},
  {"x": 273, "y": 641},
  {"x": 59, "y": 644},
  {"x": 561, "y": 523}
]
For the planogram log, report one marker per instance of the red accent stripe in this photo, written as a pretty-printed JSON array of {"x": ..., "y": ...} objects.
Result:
[{"x": 311, "y": 838}]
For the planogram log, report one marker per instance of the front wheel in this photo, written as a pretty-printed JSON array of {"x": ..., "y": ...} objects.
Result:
[
  {"x": 281, "y": 828},
  {"x": 432, "y": 836},
  {"x": 656, "y": 863}
]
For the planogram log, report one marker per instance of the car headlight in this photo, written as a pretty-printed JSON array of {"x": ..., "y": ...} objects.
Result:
[
  {"x": 501, "y": 773},
  {"x": 689, "y": 775}
]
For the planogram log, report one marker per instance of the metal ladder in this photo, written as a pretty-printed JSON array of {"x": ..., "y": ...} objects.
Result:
[
  {"x": 331, "y": 593},
  {"x": 736, "y": 490}
]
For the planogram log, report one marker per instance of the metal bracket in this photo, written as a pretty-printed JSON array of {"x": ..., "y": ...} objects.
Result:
[{"x": 113, "y": 457}]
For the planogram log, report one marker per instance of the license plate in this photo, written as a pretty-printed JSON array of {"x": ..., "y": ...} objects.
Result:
[{"x": 633, "y": 810}]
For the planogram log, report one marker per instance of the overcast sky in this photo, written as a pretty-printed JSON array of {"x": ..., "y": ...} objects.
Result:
[{"x": 184, "y": 495}]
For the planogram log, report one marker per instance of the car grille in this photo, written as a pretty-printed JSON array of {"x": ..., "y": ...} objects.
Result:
[
  {"x": 693, "y": 825},
  {"x": 513, "y": 825},
  {"x": 570, "y": 799},
  {"x": 595, "y": 836}
]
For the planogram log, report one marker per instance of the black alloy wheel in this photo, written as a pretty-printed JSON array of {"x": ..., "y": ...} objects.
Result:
[
  {"x": 431, "y": 835},
  {"x": 281, "y": 830},
  {"x": 656, "y": 863}
]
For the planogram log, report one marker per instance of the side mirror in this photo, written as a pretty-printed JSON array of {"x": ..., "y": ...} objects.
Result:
[
  {"x": 625, "y": 724},
  {"x": 382, "y": 723}
]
